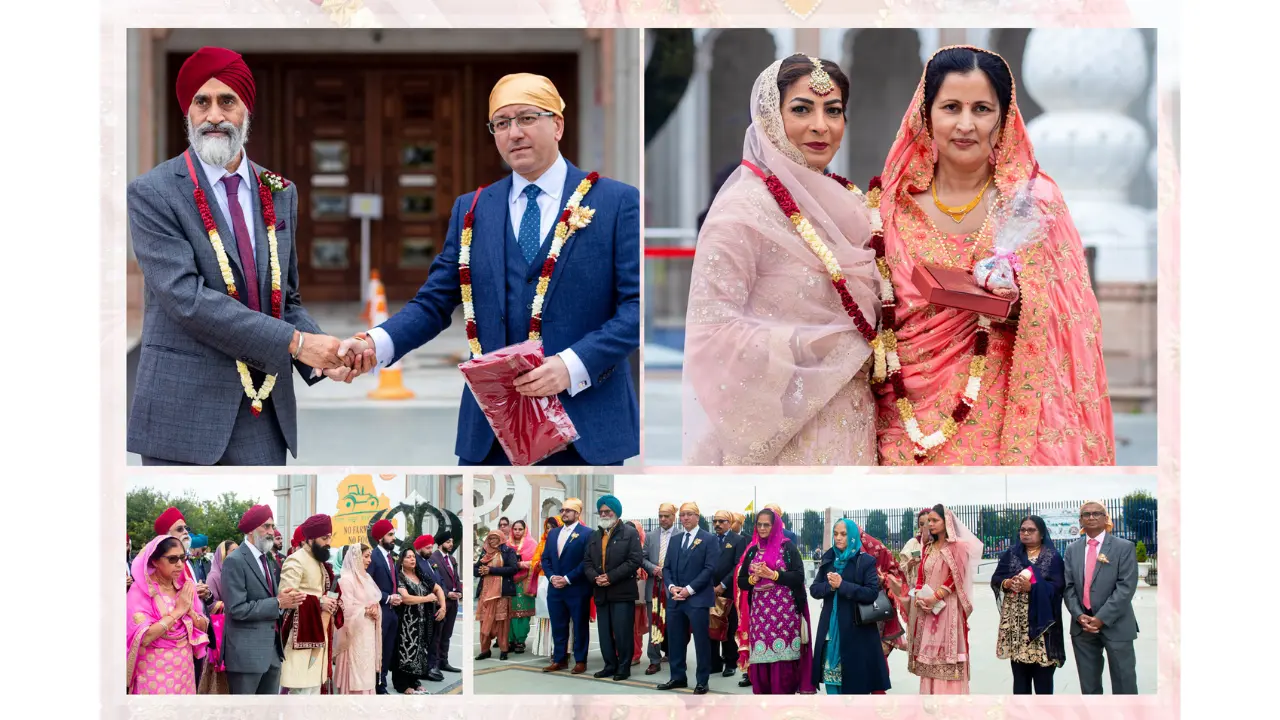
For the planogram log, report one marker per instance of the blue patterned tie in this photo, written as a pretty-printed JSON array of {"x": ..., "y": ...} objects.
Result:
[{"x": 530, "y": 224}]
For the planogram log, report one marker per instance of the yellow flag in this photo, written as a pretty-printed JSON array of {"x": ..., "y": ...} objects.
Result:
[{"x": 751, "y": 507}]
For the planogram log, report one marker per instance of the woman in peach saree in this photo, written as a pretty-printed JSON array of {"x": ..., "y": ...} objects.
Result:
[
  {"x": 938, "y": 643},
  {"x": 1042, "y": 396},
  {"x": 775, "y": 369},
  {"x": 357, "y": 654}
]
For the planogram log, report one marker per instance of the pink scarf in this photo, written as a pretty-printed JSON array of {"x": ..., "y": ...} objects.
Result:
[{"x": 143, "y": 611}]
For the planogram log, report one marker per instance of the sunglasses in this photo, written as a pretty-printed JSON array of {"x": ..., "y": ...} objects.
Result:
[
  {"x": 181, "y": 529},
  {"x": 175, "y": 559},
  {"x": 1027, "y": 531}
]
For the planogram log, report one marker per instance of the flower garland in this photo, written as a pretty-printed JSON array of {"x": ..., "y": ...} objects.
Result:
[
  {"x": 268, "y": 182},
  {"x": 886, "y": 366},
  {"x": 574, "y": 217}
]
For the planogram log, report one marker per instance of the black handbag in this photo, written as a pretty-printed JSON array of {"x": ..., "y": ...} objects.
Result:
[{"x": 873, "y": 613}]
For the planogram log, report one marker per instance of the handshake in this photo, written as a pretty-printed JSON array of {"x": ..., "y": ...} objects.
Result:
[{"x": 339, "y": 360}]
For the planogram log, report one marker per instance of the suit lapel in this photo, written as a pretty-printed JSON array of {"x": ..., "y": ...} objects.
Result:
[
  {"x": 489, "y": 243},
  {"x": 255, "y": 566},
  {"x": 1097, "y": 566},
  {"x": 571, "y": 180},
  {"x": 262, "y": 247},
  {"x": 224, "y": 230}
]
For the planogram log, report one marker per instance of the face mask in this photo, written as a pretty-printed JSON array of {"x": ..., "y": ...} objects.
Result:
[
  {"x": 608, "y": 523},
  {"x": 320, "y": 552}
]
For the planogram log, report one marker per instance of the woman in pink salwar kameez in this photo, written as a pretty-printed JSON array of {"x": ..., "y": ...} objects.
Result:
[
  {"x": 165, "y": 627},
  {"x": 357, "y": 655},
  {"x": 938, "y": 643},
  {"x": 1043, "y": 396}
]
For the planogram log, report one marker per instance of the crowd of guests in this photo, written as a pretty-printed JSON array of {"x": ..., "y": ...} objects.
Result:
[
  {"x": 251, "y": 619},
  {"x": 744, "y": 602}
]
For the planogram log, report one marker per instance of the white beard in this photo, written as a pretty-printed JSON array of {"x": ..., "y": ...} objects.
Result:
[
  {"x": 265, "y": 544},
  {"x": 186, "y": 545},
  {"x": 606, "y": 524},
  {"x": 218, "y": 151}
]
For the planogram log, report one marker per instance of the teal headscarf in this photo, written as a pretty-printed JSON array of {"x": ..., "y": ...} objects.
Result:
[{"x": 842, "y": 558}]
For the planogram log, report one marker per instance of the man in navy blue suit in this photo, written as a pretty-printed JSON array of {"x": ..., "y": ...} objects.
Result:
[
  {"x": 689, "y": 573},
  {"x": 569, "y": 596},
  {"x": 590, "y": 319},
  {"x": 383, "y": 570}
]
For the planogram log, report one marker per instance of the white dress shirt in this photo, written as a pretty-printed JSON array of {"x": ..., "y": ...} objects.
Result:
[
  {"x": 551, "y": 183},
  {"x": 565, "y": 532},
  {"x": 687, "y": 544},
  {"x": 257, "y": 558},
  {"x": 244, "y": 193}
]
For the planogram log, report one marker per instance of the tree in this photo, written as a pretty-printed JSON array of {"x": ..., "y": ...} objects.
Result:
[
  {"x": 215, "y": 518},
  {"x": 1140, "y": 514},
  {"x": 811, "y": 534},
  {"x": 877, "y": 525},
  {"x": 666, "y": 76},
  {"x": 908, "y": 527}
]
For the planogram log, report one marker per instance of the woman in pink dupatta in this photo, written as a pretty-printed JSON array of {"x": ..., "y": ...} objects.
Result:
[
  {"x": 165, "y": 627},
  {"x": 1043, "y": 396},
  {"x": 775, "y": 370},
  {"x": 938, "y": 643},
  {"x": 524, "y": 604},
  {"x": 774, "y": 641},
  {"x": 357, "y": 645}
]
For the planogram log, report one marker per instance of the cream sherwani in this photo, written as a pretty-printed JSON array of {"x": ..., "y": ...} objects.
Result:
[{"x": 304, "y": 667}]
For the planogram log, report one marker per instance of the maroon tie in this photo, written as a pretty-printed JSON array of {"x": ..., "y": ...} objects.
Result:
[
  {"x": 266, "y": 570},
  {"x": 391, "y": 566},
  {"x": 241, "y": 231}
]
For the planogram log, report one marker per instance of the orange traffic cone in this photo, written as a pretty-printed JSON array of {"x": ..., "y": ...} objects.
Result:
[
  {"x": 390, "y": 379},
  {"x": 375, "y": 287}
]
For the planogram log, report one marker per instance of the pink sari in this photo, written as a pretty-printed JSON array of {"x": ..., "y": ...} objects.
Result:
[
  {"x": 938, "y": 645},
  {"x": 357, "y": 653},
  {"x": 1044, "y": 398},
  {"x": 167, "y": 665}
]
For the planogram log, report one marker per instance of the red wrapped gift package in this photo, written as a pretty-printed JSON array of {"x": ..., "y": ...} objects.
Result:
[{"x": 529, "y": 429}]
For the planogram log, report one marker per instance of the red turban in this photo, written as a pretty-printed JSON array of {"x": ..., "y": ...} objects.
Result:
[
  {"x": 278, "y": 535},
  {"x": 297, "y": 537},
  {"x": 316, "y": 526},
  {"x": 253, "y": 518},
  {"x": 167, "y": 519},
  {"x": 381, "y": 528},
  {"x": 423, "y": 541},
  {"x": 210, "y": 62}
]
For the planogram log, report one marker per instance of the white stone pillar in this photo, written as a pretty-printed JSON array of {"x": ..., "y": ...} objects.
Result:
[
  {"x": 784, "y": 42},
  {"x": 1085, "y": 79}
]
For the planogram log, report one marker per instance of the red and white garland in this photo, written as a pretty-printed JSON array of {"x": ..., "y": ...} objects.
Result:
[
  {"x": 268, "y": 182},
  {"x": 884, "y": 341},
  {"x": 574, "y": 217}
]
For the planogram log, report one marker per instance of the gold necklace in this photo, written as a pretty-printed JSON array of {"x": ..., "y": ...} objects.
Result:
[{"x": 958, "y": 213}]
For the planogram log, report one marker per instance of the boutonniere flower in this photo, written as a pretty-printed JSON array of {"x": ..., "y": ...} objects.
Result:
[
  {"x": 1102, "y": 558},
  {"x": 697, "y": 541},
  {"x": 273, "y": 181},
  {"x": 580, "y": 217},
  {"x": 573, "y": 536}
]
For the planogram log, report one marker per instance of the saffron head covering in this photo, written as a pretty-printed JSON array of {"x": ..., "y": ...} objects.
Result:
[
  {"x": 316, "y": 526},
  {"x": 525, "y": 89},
  {"x": 690, "y": 507},
  {"x": 213, "y": 62},
  {"x": 1105, "y": 514},
  {"x": 423, "y": 541},
  {"x": 381, "y": 528},
  {"x": 253, "y": 518},
  {"x": 738, "y": 520},
  {"x": 167, "y": 519},
  {"x": 724, "y": 515},
  {"x": 667, "y": 507},
  {"x": 573, "y": 504},
  {"x": 610, "y": 502}
]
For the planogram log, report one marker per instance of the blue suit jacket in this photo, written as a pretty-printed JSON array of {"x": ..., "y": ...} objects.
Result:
[
  {"x": 568, "y": 564},
  {"x": 695, "y": 569},
  {"x": 381, "y": 575},
  {"x": 592, "y": 306}
]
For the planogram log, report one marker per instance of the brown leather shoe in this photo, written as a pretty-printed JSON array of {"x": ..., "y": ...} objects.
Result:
[
  {"x": 553, "y": 667},
  {"x": 579, "y": 668},
  {"x": 652, "y": 669}
]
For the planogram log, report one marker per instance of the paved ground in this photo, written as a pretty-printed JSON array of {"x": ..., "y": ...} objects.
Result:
[
  {"x": 452, "y": 683},
  {"x": 339, "y": 425},
  {"x": 522, "y": 673},
  {"x": 1135, "y": 433}
]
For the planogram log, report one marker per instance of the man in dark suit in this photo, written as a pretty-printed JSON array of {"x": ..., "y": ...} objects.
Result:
[
  {"x": 251, "y": 645},
  {"x": 689, "y": 573},
  {"x": 590, "y": 310},
  {"x": 383, "y": 570},
  {"x": 446, "y": 568},
  {"x": 568, "y": 597},
  {"x": 613, "y": 558},
  {"x": 1102, "y": 576},
  {"x": 424, "y": 545},
  {"x": 724, "y": 658}
]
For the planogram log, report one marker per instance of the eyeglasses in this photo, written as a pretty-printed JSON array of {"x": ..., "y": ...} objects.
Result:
[
  {"x": 180, "y": 529},
  {"x": 1027, "y": 531},
  {"x": 524, "y": 121},
  {"x": 721, "y": 520},
  {"x": 1092, "y": 514},
  {"x": 175, "y": 559}
]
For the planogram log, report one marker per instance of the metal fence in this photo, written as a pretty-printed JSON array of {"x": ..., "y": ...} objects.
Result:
[{"x": 996, "y": 524}]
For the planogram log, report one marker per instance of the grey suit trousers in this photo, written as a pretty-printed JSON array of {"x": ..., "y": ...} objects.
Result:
[
  {"x": 254, "y": 440},
  {"x": 267, "y": 683},
  {"x": 1121, "y": 661}
]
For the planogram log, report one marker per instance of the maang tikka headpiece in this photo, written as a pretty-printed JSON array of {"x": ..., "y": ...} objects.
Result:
[{"x": 819, "y": 81}]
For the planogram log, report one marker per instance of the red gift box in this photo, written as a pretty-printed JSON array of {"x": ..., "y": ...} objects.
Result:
[
  {"x": 528, "y": 428},
  {"x": 957, "y": 289}
]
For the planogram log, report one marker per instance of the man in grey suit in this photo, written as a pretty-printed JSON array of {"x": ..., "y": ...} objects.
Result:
[
  {"x": 214, "y": 382},
  {"x": 251, "y": 645},
  {"x": 1102, "y": 575},
  {"x": 655, "y": 554}
]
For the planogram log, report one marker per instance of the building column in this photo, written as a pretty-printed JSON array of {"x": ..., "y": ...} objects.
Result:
[{"x": 784, "y": 42}]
